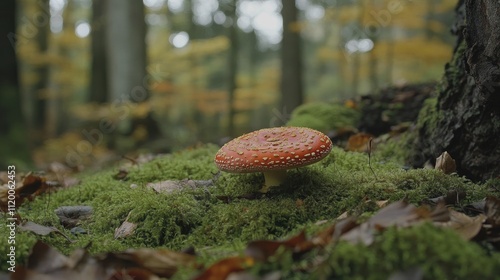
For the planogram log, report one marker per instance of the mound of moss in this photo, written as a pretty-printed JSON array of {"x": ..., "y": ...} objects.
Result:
[
  {"x": 324, "y": 116},
  {"x": 220, "y": 219},
  {"x": 433, "y": 253}
]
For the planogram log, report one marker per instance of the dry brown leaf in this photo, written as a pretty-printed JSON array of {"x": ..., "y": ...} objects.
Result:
[
  {"x": 261, "y": 250},
  {"x": 125, "y": 229},
  {"x": 446, "y": 163},
  {"x": 46, "y": 262},
  {"x": 161, "y": 262},
  {"x": 343, "y": 216},
  {"x": 334, "y": 232},
  {"x": 492, "y": 211},
  {"x": 133, "y": 273},
  {"x": 467, "y": 227},
  {"x": 451, "y": 198},
  {"x": 382, "y": 203},
  {"x": 41, "y": 230},
  {"x": 170, "y": 186},
  {"x": 400, "y": 214},
  {"x": 359, "y": 142},
  {"x": 31, "y": 186},
  {"x": 223, "y": 268}
]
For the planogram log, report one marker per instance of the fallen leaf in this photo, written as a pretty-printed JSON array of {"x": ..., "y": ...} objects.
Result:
[
  {"x": 492, "y": 210},
  {"x": 31, "y": 186},
  {"x": 359, "y": 142},
  {"x": 170, "y": 186},
  {"x": 451, "y": 198},
  {"x": 334, "y": 232},
  {"x": 445, "y": 163},
  {"x": 223, "y": 268},
  {"x": 399, "y": 214},
  {"x": 46, "y": 262},
  {"x": 161, "y": 262},
  {"x": 381, "y": 203},
  {"x": 41, "y": 230},
  {"x": 261, "y": 250},
  {"x": 467, "y": 227},
  {"x": 125, "y": 229}
]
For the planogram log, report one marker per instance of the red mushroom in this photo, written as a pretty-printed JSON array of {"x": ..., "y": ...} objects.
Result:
[{"x": 273, "y": 151}]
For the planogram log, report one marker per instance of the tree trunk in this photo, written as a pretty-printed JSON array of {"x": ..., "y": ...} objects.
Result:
[
  {"x": 13, "y": 140},
  {"x": 232, "y": 68},
  {"x": 98, "y": 75},
  {"x": 291, "y": 58},
  {"x": 40, "y": 89},
  {"x": 126, "y": 50},
  {"x": 465, "y": 118}
]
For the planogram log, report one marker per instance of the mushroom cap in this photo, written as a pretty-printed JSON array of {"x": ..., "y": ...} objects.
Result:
[{"x": 277, "y": 148}]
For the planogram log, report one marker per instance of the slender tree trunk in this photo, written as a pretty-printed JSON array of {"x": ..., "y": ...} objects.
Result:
[
  {"x": 41, "y": 89},
  {"x": 98, "y": 74},
  {"x": 465, "y": 118},
  {"x": 291, "y": 59},
  {"x": 232, "y": 68},
  {"x": 126, "y": 66},
  {"x": 126, "y": 50}
]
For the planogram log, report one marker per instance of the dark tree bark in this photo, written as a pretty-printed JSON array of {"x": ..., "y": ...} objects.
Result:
[
  {"x": 8, "y": 67},
  {"x": 98, "y": 75},
  {"x": 12, "y": 128},
  {"x": 465, "y": 119},
  {"x": 291, "y": 58},
  {"x": 42, "y": 71}
]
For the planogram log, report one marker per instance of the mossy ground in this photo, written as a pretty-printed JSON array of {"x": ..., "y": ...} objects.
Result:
[{"x": 343, "y": 181}]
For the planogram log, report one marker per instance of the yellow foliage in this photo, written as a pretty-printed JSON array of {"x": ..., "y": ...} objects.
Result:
[
  {"x": 140, "y": 133},
  {"x": 345, "y": 14},
  {"x": 418, "y": 48},
  {"x": 296, "y": 26},
  {"x": 437, "y": 26},
  {"x": 329, "y": 53},
  {"x": 200, "y": 48},
  {"x": 141, "y": 110},
  {"x": 70, "y": 148}
]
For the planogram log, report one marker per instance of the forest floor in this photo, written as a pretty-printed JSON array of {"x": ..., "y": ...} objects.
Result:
[{"x": 356, "y": 214}]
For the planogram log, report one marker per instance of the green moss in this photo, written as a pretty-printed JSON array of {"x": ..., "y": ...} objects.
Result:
[
  {"x": 344, "y": 181},
  {"x": 324, "y": 116},
  {"x": 309, "y": 121},
  {"x": 428, "y": 115},
  {"x": 440, "y": 254}
]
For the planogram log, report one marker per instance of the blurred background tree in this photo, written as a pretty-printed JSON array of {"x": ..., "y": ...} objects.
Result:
[{"x": 104, "y": 78}]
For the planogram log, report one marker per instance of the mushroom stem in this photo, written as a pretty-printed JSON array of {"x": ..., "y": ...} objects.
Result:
[{"x": 273, "y": 178}]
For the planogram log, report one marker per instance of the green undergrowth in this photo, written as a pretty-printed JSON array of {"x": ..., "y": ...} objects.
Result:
[
  {"x": 432, "y": 252},
  {"x": 213, "y": 219},
  {"x": 324, "y": 116}
]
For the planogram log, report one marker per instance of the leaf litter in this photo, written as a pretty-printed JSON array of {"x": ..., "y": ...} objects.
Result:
[{"x": 146, "y": 263}]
